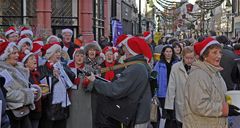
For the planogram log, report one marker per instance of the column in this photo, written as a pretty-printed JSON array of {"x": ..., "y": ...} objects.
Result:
[
  {"x": 43, "y": 13},
  {"x": 106, "y": 18},
  {"x": 85, "y": 19}
]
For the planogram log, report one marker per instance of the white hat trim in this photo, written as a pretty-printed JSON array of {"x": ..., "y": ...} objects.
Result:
[
  {"x": 39, "y": 42},
  {"x": 210, "y": 43},
  {"x": 148, "y": 37},
  {"x": 26, "y": 57},
  {"x": 130, "y": 50},
  {"x": 8, "y": 32},
  {"x": 52, "y": 36},
  {"x": 124, "y": 41},
  {"x": 7, "y": 52},
  {"x": 52, "y": 50},
  {"x": 24, "y": 40},
  {"x": 26, "y": 32},
  {"x": 67, "y": 30}
]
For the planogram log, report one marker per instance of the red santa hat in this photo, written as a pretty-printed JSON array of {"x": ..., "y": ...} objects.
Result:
[
  {"x": 36, "y": 48},
  {"x": 138, "y": 46},
  {"x": 10, "y": 30},
  {"x": 81, "y": 50},
  {"x": 49, "y": 49},
  {"x": 25, "y": 30},
  {"x": 6, "y": 49},
  {"x": 147, "y": 35},
  {"x": 67, "y": 30},
  {"x": 122, "y": 39},
  {"x": 38, "y": 41},
  {"x": 200, "y": 47},
  {"x": 23, "y": 40},
  {"x": 114, "y": 50},
  {"x": 2, "y": 40},
  {"x": 25, "y": 58}
]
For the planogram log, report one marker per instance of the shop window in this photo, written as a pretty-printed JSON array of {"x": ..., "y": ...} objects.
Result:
[{"x": 17, "y": 13}]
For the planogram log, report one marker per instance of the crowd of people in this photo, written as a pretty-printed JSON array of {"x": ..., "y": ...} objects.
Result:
[{"x": 60, "y": 83}]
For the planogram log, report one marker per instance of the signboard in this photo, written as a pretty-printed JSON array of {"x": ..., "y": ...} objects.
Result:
[{"x": 117, "y": 29}]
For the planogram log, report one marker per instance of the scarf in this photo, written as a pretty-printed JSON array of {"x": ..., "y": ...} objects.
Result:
[
  {"x": 35, "y": 75},
  {"x": 49, "y": 65},
  {"x": 110, "y": 74}
]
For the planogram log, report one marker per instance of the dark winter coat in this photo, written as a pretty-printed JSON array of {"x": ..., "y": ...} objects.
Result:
[
  {"x": 132, "y": 85},
  {"x": 227, "y": 62},
  {"x": 5, "y": 122}
]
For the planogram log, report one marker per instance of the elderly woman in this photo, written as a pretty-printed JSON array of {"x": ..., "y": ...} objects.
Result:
[
  {"x": 205, "y": 104},
  {"x": 80, "y": 114},
  {"x": 55, "y": 105},
  {"x": 30, "y": 63},
  {"x": 19, "y": 98}
]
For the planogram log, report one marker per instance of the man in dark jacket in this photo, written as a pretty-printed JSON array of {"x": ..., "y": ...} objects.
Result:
[
  {"x": 5, "y": 122},
  {"x": 227, "y": 62},
  {"x": 130, "y": 94}
]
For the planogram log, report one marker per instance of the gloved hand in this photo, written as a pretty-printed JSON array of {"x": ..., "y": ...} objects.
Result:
[
  {"x": 232, "y": 111},
  {"x": 77, "y": 81},
  {"x": 85, "y": 83}
]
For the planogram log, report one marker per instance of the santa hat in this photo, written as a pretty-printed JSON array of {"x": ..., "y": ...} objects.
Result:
[
  {"x": 52, "y": 36},
  {"x": 6, "y": 49},
  {"x": 114, "y": 50},
  {"x": 93, "y": 45},
  {"x": 147, "y": 35},
  {"x": 81, "y": 50},
  {"x": 10, "y": 30},
  {"x": 67, "y": 30},
  {"x": 36, "y": 48},
  {"x": 49, "y": 49},
  {"x": 38, "y": 41},
  {"x": 23, "y": 40},
  {"x": 122, "y": 39},
  {"x": 25, "y": 30},
  {"x": 2, "y": 40},
  {"x": 200, "y": 47},
  {"x": 138, "y": 46},
  {"x": 25, "y": 58}
]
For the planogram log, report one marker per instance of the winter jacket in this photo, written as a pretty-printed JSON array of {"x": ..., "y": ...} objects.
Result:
[
  {"x": 204, "y": 95},
  {"x": 175, "y": 91},
  {"x": 162, "y": 81},
  {"x": 18, "y": 91},
  {"x": 227, "y": 62},
  {"x": 131, "y": 86}
]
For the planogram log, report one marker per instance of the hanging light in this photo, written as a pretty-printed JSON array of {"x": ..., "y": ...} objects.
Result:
[
  {"x": 211, "y": 13},
  {"x": 228, "y": 3}
]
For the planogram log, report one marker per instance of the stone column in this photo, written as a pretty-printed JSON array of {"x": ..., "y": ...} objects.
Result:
[
  {"x": 106, "y": 18},
  {"x": 86, "y": 19}
]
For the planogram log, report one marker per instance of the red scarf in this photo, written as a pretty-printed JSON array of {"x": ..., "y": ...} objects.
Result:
[
  {"x": 35, "y": 75},
  {"x": 49, "y": 65},
  {"x": 67, "y": 44},
  {"x": 72, "y": 65},
  {"x": 237, "y": 52},
  {"x": 110, "y": 74}
]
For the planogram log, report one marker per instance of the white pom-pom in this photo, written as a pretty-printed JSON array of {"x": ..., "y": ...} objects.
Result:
[
  {"x": 115, "y": 55},
  {"x": 102, "y": 55},
  {"x": 26, "y": 52}
]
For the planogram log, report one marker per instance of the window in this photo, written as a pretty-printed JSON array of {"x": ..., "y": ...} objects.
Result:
[
  {"x": 98, "y": 18},
  {"x": 17, "y": 13}
]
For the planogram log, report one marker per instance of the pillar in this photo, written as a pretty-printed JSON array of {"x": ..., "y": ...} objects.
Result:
[
  {"x": 43, "y": 13},
  {"x": 106, "y": 18},
  {"x": 86, "y": 19}
]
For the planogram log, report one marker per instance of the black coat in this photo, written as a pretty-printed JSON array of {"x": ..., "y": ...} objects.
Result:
[
  {"x": 132, "y": 87},
  {"x": 227, "y": 62}
]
